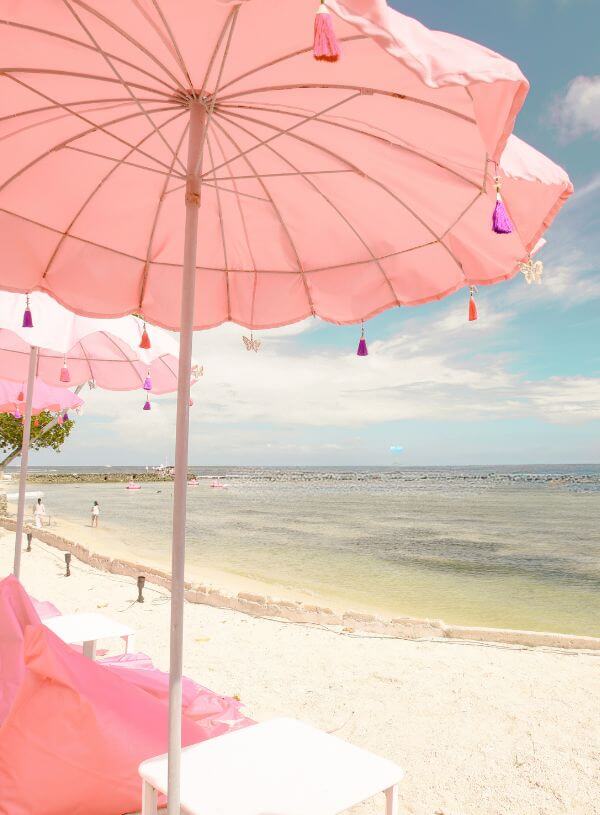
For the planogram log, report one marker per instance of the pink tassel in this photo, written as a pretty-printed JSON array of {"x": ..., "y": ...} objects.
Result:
[
  {"x": 501, "y": 223},
  {"x": 65, "y": 376},
  {"x": 60, "y": 420},
  {"x": 147, "y": 382},
  {"x": 472, "y": 307},
  {"x": 362, "y": 350},
  {"x": 325, "y": 46},
  {"x": 147, "y": 405},
  {"x": 20, "y": 396},
  {"x": 191, "y": 403},
  {"x": 27, "y": 318},
  {"x": 145, "y": 340}
]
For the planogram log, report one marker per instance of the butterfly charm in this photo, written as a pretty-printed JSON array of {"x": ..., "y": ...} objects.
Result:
[
  {"x": 532, "y": 270},
  {"x": 197, "y": 371},
  {"x": 91, "y": 384},
  {"x": 251, "y": 344}
]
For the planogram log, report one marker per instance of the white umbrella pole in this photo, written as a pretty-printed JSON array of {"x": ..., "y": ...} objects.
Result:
[
  {"x": 33, "y": 355},
  {"x": 192, "y": 202}
]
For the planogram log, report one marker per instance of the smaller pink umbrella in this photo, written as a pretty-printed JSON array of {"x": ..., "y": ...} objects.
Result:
[{"x": 45, "y": 397}]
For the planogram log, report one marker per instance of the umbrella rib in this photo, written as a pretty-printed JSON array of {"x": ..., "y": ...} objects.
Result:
[
  {"x": 124, "y": 355},
  {"x": 343, "y": 126},
  {"x": 101, "y": 128},
  {"x": 75, "y": 41},
  {"x": 222, "y": 226},
  {"x": 93, "y": 193},
  {"x": 63, "y": 144},
  {"x": 123, "y": 82},
  {"x": 284, "y": 131},
  {"x": 278, "y": 215},
  {"x": 101, "y": 105},
  {"x": 286, "y": 57},
  {"x": 245, "y": 228},
  {"x": 155, "y": 221},
  {"x": 107, "y": 21},
  {"x": 80, "y": 75},
  {"x": 335, "y": 209},
  {"x": 177, "y": 52},
  {"x": 127, "y": 163},
  {"x": 87, "y": 359},
  {"x": 347, "y": 87},
  {"x": 370, "y": 178},
  {"x": 215, "y": 51},
  {"x": 232, "y": 177}
]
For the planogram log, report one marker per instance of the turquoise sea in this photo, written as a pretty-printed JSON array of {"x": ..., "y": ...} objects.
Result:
[{"x": 514, "y": 547}]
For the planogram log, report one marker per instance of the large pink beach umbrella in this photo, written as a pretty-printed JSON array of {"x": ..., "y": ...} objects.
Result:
[
  {"x": 45, "y": 397},
  {"x": 331, "y": 187},
  {"x": 63, "y": 349}
]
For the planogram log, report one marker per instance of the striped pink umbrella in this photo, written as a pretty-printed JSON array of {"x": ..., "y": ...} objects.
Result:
[{"x": 337, "y": 187}]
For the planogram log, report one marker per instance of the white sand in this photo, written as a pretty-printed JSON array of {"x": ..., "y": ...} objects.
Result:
[{"x": 479, "y": 729}]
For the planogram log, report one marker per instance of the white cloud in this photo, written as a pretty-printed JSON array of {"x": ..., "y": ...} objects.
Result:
[{"x": 577, "y": 112}]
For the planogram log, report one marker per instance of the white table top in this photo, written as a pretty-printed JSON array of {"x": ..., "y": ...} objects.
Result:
[
  {"x": 281, "y": 766},
  {"x": 76, "y": 628}
]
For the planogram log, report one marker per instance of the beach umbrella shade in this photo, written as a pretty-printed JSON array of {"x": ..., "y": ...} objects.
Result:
[
  {"x": 61, "y": 349},
  {"x": 191, "y": 161},
  {"x": 45, "y": 398}
]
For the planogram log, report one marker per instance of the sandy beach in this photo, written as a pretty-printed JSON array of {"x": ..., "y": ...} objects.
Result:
[{"x": 478, "y": 728}]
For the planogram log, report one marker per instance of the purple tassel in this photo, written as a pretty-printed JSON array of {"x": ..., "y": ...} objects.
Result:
[
  {"x": 27, "y": 318},
  {"x": 147, "y": 382},
  {"x": 501, "y": 223},
  {"x": 65, "y": 416},
  {"x": 17, "y": 414},
  {"x": 362, "y": 350},
  {"x": 147, "y": 405}
]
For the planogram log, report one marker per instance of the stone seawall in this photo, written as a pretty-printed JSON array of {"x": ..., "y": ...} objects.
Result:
[{"x": 350, "y": 621}]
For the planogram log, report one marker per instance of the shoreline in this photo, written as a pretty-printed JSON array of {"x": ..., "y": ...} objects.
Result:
[{"x": 306, "y": 611}]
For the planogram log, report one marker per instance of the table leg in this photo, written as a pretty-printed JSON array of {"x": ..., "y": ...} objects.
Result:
[
  {"x": 391, "y": 800},
  {"x": 89, "y": 649},
  {"x": 149, "y": 799},
  {"x": 129, "y": 643}
]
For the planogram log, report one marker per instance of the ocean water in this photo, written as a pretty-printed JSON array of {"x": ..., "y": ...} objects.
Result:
[{"x": 514, "y": 547}]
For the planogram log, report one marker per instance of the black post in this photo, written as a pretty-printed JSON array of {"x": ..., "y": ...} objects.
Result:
[
  {"x": 29, "y": 537},
  {"x": 68, "y": 563},
  {"x": 140, "y": 584}
]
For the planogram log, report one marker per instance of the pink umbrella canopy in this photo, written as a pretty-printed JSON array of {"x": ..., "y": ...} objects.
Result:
[
  {"x": 105, "y": 351},
  {"x": 390, "y": 149},
  {"x": 45, "y": 397}
]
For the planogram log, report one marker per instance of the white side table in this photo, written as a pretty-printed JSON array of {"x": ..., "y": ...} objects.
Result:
[
  {"x": 88, "y": 629},
  {"x": 279, "y": 767}
]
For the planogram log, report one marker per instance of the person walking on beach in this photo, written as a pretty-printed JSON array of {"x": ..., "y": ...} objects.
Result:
[
  {"x": 39, "y": 512},
  {"x": 95, "y": 514}
]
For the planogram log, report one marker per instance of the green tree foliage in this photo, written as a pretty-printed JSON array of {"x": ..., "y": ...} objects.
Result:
[{"x": 11, "y": 433}]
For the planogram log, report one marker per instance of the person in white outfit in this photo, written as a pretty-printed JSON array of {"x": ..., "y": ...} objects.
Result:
[
  {"x": 39, "y": 513},
  {"x": 95, "y": 514}
]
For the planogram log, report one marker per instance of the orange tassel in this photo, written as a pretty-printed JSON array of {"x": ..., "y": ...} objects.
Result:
[
  {"x": 145, "y": 340},
  {"x": 472, "y": 307}
]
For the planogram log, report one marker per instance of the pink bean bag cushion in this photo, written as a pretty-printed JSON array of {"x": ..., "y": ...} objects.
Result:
[{"x": 76, "y": 734}]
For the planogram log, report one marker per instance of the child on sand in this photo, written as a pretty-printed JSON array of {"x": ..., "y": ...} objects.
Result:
[{"x": 95, "y": 514}]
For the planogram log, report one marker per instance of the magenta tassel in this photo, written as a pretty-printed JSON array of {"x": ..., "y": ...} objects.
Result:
[
  {"x": 362, "y": 350},
  {"x": 147, "y": 405},
  {"x": 65, "y": 376},
  {"x": 501, "y": 223},
  {"x": 325, "y": 46},
  {"x": 147, "y": 383},
  {"x": 17, "y": 414},
  {"x": 27, "y": 318}
]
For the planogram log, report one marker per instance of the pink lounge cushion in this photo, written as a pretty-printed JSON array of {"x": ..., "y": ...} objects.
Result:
[
  {"x": 16, "y": 612},
  {"x": 76, "y": 734}
]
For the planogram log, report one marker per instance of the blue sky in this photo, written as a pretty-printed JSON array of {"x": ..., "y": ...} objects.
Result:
[{"x": 520, "y": 386}]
